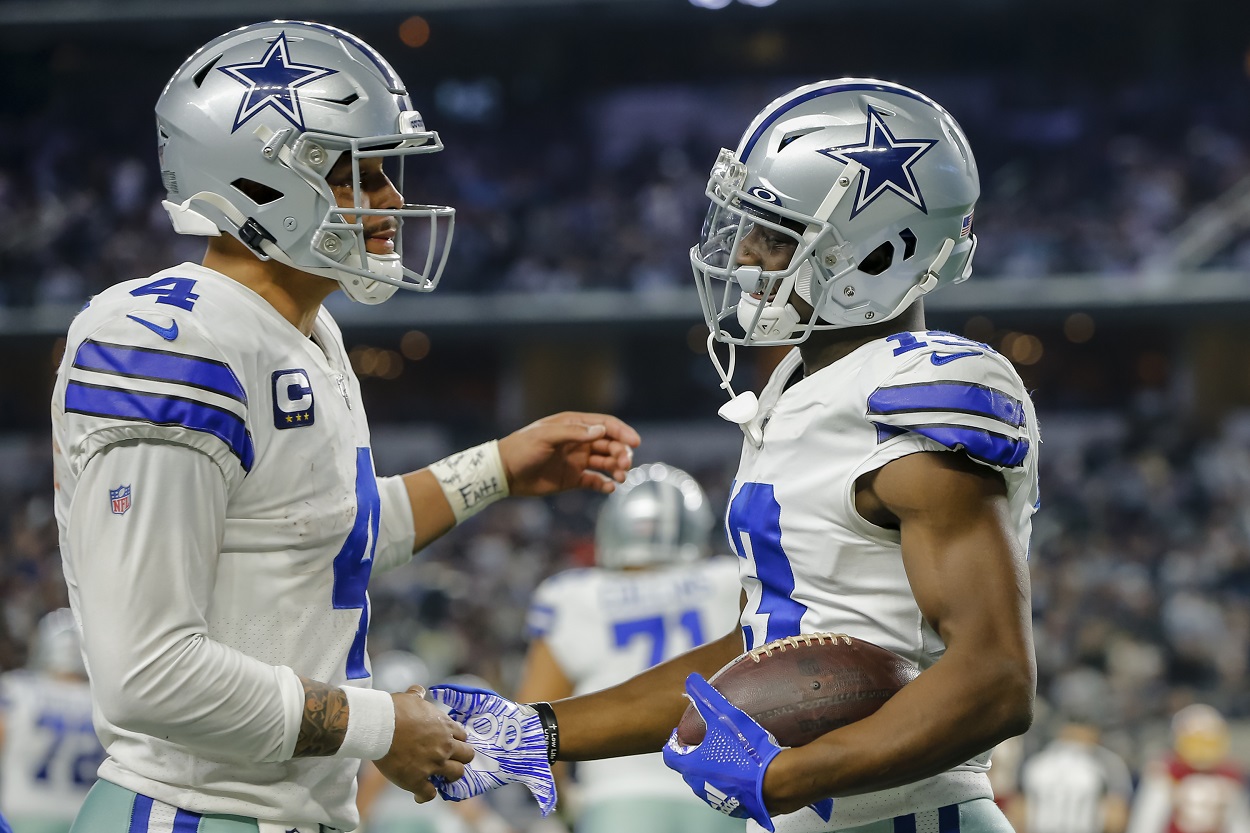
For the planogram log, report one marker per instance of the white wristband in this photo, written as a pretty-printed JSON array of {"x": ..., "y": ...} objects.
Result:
[
  {"x": 370, "y": 724},
  {"x": 472, "y": 479}
]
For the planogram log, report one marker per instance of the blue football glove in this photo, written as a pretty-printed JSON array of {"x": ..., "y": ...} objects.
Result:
[
  {"x": 509, "y": 743},
  {"x": 726, "y": 769}
]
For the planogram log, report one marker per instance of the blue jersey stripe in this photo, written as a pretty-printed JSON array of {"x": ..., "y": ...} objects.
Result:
[
  {"x": 159, "y": 366},
  {"x": 186, "y": 822},
  {"x": 540, "y": 620},
  {"x": 948, "y": 819},
  {"x": 96, "y": 400},
  {"x": 139, "y": 813},
  {"x": 985, "y": 446},
  {"x": 955, "y": 397}
]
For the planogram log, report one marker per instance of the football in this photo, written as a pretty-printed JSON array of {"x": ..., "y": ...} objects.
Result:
[{"x": 801, "y": 687}]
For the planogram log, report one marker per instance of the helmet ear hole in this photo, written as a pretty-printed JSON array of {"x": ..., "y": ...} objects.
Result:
[
  {"x": 909, "y": 243},
  {"x": 878, "y": 260},
  {"x": 257, "y": 192}
]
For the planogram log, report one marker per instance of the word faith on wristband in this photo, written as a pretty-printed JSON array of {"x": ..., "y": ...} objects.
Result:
[{"x": 472, "y": 479}]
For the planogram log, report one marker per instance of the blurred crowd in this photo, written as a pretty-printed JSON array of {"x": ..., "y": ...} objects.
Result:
[{"x": 607, "y": 191}]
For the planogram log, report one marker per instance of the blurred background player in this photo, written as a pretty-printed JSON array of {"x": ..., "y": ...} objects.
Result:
[
  {"x": 386, "y": 808},
  {"x": 655, "y": 592},
  {"x": 50, "y": 750},
  {"x": 1074, "y": 784},
  {"x": 1196, "y": 787}
]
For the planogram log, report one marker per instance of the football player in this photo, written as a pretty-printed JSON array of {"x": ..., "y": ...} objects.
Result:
[
  {"x": 1198, "y": 786},
  {"x": 50, "y": 752},
  {"x": 219, "y": 511},
  {"x": 656, "y": 592},
  {"x": 885, "y": 490}
]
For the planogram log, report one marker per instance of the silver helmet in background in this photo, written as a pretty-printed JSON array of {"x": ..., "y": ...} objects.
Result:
[
  {"x": 659, "y": 515},
  {"x": 56, "y": 648}
]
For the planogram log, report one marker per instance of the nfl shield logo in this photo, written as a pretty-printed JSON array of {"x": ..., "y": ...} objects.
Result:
[{"x": 121, "y": 499}]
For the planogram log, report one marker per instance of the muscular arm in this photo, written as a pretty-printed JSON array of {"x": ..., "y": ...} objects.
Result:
[
  {"x": 971, "y": 584},
  {"x": 639, "y": 714}
]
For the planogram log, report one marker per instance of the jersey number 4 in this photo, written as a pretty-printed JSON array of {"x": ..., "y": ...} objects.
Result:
[{"x": 354, "y": 563}]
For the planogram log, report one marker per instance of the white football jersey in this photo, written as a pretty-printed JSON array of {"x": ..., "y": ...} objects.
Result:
[
  {"x": 1066, "y": 784},
  {"x": 189, "y": 387},
  {"x": 50, "y": 752},
  {"x": 605, "y": 626},
  {"x": 812, "y": 564}
]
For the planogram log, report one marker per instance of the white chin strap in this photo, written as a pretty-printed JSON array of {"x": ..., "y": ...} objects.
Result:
[
  {"x": 365, "y": 291},
  {"x": 777, "y": 317},
  {"x": 776, "y": 320}
]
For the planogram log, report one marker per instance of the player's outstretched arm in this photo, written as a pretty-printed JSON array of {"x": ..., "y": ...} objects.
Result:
[
  {"x": 971, "y": 583},
  {"x": 568, "y": 450},
  {"x": 639, "y": 714},
  {"x": 517, "y": 742}
]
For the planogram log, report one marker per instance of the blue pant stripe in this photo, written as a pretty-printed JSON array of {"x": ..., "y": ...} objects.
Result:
[
  {"x": 186, "y": 822},
  {"x": 905, "y": 824},
  {"x": 948, "y": 819},
  {"x": 139, "y": 813}
]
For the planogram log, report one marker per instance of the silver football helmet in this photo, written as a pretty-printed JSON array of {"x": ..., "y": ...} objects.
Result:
[
  {"x": 56, "y": 648},
  {"x": 251, "y": 124},
  {"x": 874, "y": 185},
  {"x": 659, "y": 515},
  {"x": 398, "y": 670}
]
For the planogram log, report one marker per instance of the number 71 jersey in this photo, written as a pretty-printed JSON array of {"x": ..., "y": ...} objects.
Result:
[{"x": 811, "y": 562}]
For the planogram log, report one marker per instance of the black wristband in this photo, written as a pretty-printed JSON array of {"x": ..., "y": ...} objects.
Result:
[{"x": 551, "y": 731}]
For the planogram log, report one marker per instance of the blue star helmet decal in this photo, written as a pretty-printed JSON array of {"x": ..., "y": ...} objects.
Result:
[
  {"x": 272, "y": 82},
  {"x": 887, "y": 163}
]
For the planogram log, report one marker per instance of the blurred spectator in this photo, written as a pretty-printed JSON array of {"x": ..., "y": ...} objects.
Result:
[{"x": 1196, "y": 787}]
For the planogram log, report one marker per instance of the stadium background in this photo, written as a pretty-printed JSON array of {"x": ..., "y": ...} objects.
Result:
[{"x": 1114, "y": 146}]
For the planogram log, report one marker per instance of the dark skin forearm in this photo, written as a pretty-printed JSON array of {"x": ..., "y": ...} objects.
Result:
[
  {"x": 972, "y": 586},
  {"x": 594, "y": 725},
  {"x": 324, "y": 724}
]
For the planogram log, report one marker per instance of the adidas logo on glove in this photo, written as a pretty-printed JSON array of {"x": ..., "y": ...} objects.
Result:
[{"x": 718, "y": 801}]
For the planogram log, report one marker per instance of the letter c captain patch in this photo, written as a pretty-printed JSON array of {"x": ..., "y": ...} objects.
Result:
[
  {"x": 120, "y": 498},
  {"x": 292, "y": 399}
]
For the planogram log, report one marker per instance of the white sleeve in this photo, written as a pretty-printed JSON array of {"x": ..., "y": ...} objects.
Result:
[
  {"x": 396, "y": 532},
  {"x": 145, "y": 582},
  {"x": 1152, "y": 805}
]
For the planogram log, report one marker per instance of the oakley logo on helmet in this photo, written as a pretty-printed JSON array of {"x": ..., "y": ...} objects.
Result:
[
  {"x": 764, "y": 195},
  {"x": 272, "y": 82},
  {"x": 887, "y": 163}
]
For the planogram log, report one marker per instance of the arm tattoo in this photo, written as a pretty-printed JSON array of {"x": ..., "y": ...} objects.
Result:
[{"x": 324, "y": 724}]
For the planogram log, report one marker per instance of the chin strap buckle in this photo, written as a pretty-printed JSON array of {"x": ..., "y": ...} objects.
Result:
[{"x": 252, "y": 233}]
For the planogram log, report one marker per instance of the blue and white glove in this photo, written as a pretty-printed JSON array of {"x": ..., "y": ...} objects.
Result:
[
  {"x": 509, "y": 741},
  {"x": 726, "y": 769}
]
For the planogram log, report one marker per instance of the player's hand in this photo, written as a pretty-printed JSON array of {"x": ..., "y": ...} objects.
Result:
[
  {"x": 509, "y": 740},
  {"x": 566, "y": 451},
  {"x": 427, "y": 744},
  {"x": 727, "y": 769}
]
